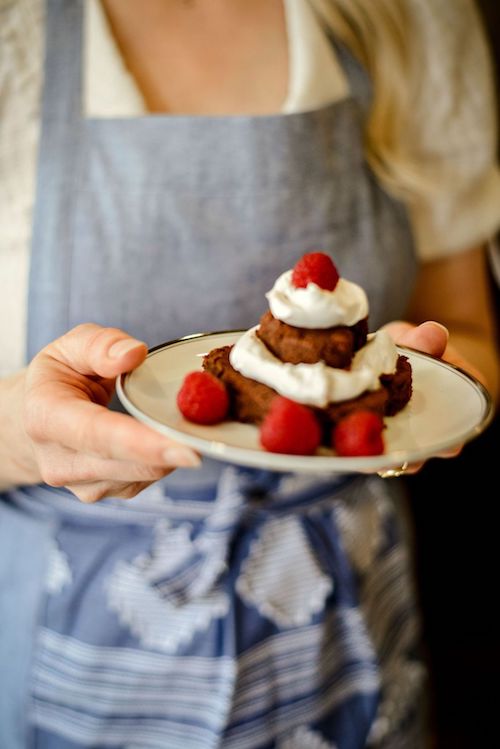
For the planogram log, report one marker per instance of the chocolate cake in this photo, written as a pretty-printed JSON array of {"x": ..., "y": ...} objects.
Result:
[
  {"x": 250, "y": 400},
  {"x": 297, "y": 352},
  {"x": 334, "y": 346}
]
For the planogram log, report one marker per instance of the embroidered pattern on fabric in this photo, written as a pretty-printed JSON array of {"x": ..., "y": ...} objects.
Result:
[
  {"x": 203, "y": 562},
  {"x": 95, "y": 695},
  {"x": 281, "y": 576},
  {"x": 156, "y": 621},
  {"x": 386, "y": 599},
  {"x": 172, "y": 547},
  {"x": 369, "y": 528},
  {"x": 58, "y": 573},
  {"x": 302, "y": 693},
  {"x": 361, "y": 531}
]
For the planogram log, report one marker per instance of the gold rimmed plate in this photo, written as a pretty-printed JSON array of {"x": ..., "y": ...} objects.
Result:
[{"x": 448, "y": 407}]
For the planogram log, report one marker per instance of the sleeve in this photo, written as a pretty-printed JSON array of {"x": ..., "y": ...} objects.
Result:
[
  {"x": 21, "y": 53},
  {"x": 454, "y": 135}
]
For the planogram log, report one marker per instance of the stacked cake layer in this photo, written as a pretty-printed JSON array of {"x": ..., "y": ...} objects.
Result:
[{"x": 312, "y": 347}]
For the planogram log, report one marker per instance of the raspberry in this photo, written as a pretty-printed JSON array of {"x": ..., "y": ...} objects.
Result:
[
  {"x": 359, "y": 433},
  {"x": 203, "y": 398},
  {"x": 290, "y": 427},
  {"x": 315, "y": 267}
]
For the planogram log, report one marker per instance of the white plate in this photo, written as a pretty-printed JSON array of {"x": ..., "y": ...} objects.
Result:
[{"x": 447, "y": 408}]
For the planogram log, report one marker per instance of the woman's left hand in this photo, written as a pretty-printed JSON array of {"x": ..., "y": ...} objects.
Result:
[{"x": 431, "y": 338}]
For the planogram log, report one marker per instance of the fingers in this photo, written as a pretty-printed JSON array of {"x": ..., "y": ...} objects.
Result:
[
  {"x": 446, "y": 454},
  {"x": 78, "y": 442},
  {"x": 430, "y": 337},
  {"x": 97, "y": 490},
  {"x": 64, "y": 467},
  {"x": 412, "y": 468},
  {"x": 92, "y": 350},
  {"x": 397, "y": 329},
  {"x": 92, "y": 479},
  {"x": 88, "y": 428},
  {"x": 64, "y": 405}
]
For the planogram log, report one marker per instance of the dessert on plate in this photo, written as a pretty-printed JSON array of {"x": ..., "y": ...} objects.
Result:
[{"x": 312, "y": 349}]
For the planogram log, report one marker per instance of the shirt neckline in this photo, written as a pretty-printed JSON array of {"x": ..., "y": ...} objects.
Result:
[{"x": 316, "y": 78}]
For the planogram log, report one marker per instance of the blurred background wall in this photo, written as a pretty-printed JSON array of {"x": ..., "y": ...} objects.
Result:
[{"x": 458, "y": 563}]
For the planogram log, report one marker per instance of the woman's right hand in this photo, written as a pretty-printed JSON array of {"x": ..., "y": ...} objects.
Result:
[{"x": 74, "y": 440}]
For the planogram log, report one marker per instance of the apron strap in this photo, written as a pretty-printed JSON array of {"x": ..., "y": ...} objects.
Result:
[
  {"x": 61, "y": 127},
  {"x": 62, "y": 99}
]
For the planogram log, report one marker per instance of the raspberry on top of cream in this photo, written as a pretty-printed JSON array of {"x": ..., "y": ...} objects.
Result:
[
  {"x": 314, "y": 307},
  {"x": 315, "y": 384}
]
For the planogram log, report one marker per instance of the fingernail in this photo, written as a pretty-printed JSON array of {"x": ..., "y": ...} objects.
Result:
[
  {"x": 438, "y": 325},
  {"x": 176, "y": 456},
  {"x": 123, "y": 347}
]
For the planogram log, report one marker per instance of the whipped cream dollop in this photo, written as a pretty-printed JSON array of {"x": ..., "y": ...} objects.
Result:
[
  {"x": 314, "y": 307},
  {"x": 315, "y": 384}
]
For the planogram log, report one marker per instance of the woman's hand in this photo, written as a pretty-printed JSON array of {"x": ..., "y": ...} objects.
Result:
[
  {"x": 431, "y": 338},
  {"x": 76, "y": 441}
]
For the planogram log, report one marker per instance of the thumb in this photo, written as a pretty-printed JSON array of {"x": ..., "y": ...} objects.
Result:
[
  {"x": 430, "y": 337},
  {"x": 93, "y": 350}
]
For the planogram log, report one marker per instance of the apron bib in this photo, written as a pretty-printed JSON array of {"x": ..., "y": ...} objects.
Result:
[{"x": 170, "y": 225}]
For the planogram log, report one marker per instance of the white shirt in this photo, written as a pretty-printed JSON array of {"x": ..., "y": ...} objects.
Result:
[{"x": 455, "y": 117}]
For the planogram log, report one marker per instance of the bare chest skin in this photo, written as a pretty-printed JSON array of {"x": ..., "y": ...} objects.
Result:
[{"x": 211, "y": 57}]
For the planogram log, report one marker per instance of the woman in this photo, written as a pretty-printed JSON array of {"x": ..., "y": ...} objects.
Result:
[{"x": 157, "y": 622}]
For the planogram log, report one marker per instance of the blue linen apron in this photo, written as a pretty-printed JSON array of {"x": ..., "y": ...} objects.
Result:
[{"x": 226, "y": 607}]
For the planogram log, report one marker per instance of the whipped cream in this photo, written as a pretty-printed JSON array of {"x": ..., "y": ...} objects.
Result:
[
  {"x": 315, "y": 384},
  {"x": 314, "y": 307}
]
